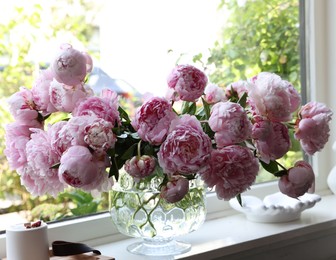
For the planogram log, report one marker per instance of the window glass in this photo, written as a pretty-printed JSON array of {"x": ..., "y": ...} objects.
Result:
[{"x": 231, "y": 40}]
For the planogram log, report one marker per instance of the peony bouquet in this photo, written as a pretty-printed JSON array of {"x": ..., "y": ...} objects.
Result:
[{"x": 197, "y": 129}]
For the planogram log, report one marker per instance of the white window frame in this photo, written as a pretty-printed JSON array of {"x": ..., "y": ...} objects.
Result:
[{"x": 321, "y": 55}]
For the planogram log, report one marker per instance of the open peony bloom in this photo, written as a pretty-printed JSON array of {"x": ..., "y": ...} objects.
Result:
[
  {"x": 298, "y": 180},
  {"x": 186, "y": 82},
  {"x": 312, "y": 127}
]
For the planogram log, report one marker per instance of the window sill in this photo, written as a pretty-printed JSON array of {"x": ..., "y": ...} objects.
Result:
[{"x": 234, "y": 237}]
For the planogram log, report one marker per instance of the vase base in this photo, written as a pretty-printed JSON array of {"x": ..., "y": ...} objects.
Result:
[{"x": 172, "y": 247}]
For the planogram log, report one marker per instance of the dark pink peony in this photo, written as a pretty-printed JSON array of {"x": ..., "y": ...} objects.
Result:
[
  {"x": 70, "y": 65},
  {"x": 140, "y": 167},
  {"x": 186, "y": 82},
  {"x": 37, "y": 175},
  {"x": 271, "y": 138},
  {"x": 105, "y": 107},
  {"x": 298, "y": 181},
  {"x": 312, "y": 127},
  {"x": 152, "y": 120},
  {"x": 272, "y": 97},
  {"x": 230, "y": 123},
  {"x": 232, "y": 170},
  {"x": 175, "y": 189},
  {"x": 186, "y": 149}
]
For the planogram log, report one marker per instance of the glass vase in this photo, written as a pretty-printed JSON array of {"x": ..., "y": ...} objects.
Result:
[{"x": 138, "y": 211}]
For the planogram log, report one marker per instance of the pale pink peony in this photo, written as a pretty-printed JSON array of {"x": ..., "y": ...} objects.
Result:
[
  {"x": 140, "y": 167},
  {"x": 236, "y": 89},
  {"x": 41, "y": 93},
  {"x": 312, "y": 127},
  {"x": 230, "y": 123},
  {"x": 298, "y": 181},
  {"x": 99, "y": 136},
  {"x": 213, "y": 94},
  {"x": 23, "y": 108},
  {"x": 186, "y": 82},
  {"x": 17, "y": 136},
  {"x": 152, "y": 120},
  {"x": 105, "y": 107},
  {"x": 232, "y": 170},
  {"x": 72, "y": 133},
  {"x": 186, "y": 149},
  {"x": 271, "y": 138},
  {"x": 272, "y": 97},
  {"x": 38, "y": 176},
  {"x": 80, "y": 169},
  {"x": 175, "y": 189},
  {"x": 65, "y": 98},
  {"x": 70, "y": 65}
]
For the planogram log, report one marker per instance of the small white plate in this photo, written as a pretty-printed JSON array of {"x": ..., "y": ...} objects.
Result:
[{"x": 274, "y": 208}]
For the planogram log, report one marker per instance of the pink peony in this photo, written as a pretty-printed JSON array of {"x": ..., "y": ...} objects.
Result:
[
  {"x": 187, "y": 83},
  {"x": 312, "y": 127},
  {"x": 230, "y": 123},
  {"x": 37, "y": 175},
  {"x": 232, "y": 170},
  {"x": 237, "y": 89},
  {"x": 99, "y": 136},
  {"x": 175, "y": 189},
  {"x": 152, "y": 120},
  {"x": 140, "y": 167},
  {"x": 65, "y": 98},
  {"x": 23, "y": 108},
  {"x": 41, "y": 93},
  {"x": 105, "y": 107},
  {"x": 272, "y": 97},
  {"x": 17, "y": 136},
  {"x": 213, "y": 94},
  {"x": 80, "y": 169},
  {"x": 71, "y": 133},
  {"x": 271, "y": 138},
  {"x": 298, "y": 180},
  {"x": 186, "y": 149},
  {"x": 70, "y": 66}
]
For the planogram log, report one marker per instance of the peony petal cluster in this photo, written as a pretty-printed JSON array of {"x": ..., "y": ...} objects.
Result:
[
  {"x": 298, "y": 180},
  {"x": 230, "y": 123},
  {"x": 186, "y": 149},
  {"x": 38, "y": 175},
  {"x": 272, "y": 97},
  {"x": 271, "y": 139},
  {"x": 312, "y": 127},
  {"x": 186, "y": 82},
  {"x": 152, "y": 120},
  {"x": 232, "y": 170}
]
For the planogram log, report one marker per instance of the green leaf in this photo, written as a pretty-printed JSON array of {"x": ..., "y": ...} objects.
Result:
[
  {"x": 123, "y": 114},
  {"x": 188, "y": 108},
  {"x": 239, "y": 199},
  {"x": 280, "y": 173},
  {"x": 129, "y": 152},
  {"x": 271, "y": 167},
  {"x": 242, "y": 100},
  {"x": 85, "y": 209},
  {"x": 206, "y": 107}
]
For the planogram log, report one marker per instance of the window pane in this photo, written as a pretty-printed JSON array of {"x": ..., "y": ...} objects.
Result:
[{"x": 232, "y": 40}]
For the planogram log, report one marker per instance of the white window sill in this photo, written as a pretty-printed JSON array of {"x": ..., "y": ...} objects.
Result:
[{"x": 234, "y": 237}]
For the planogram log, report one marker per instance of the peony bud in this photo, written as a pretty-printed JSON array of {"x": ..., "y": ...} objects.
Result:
[
  {"x": 140, "y": 167},
  {"x": 175, "y": 189}
]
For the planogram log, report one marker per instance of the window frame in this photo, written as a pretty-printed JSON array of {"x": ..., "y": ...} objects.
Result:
[{"x": 318, "y": 69}]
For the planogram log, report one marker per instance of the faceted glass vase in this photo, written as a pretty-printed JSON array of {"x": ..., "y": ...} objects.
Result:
[{"x": 138, "y": 211}]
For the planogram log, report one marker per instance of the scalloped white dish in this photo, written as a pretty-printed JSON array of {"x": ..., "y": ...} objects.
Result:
[{"x": 274, "y": 208}]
